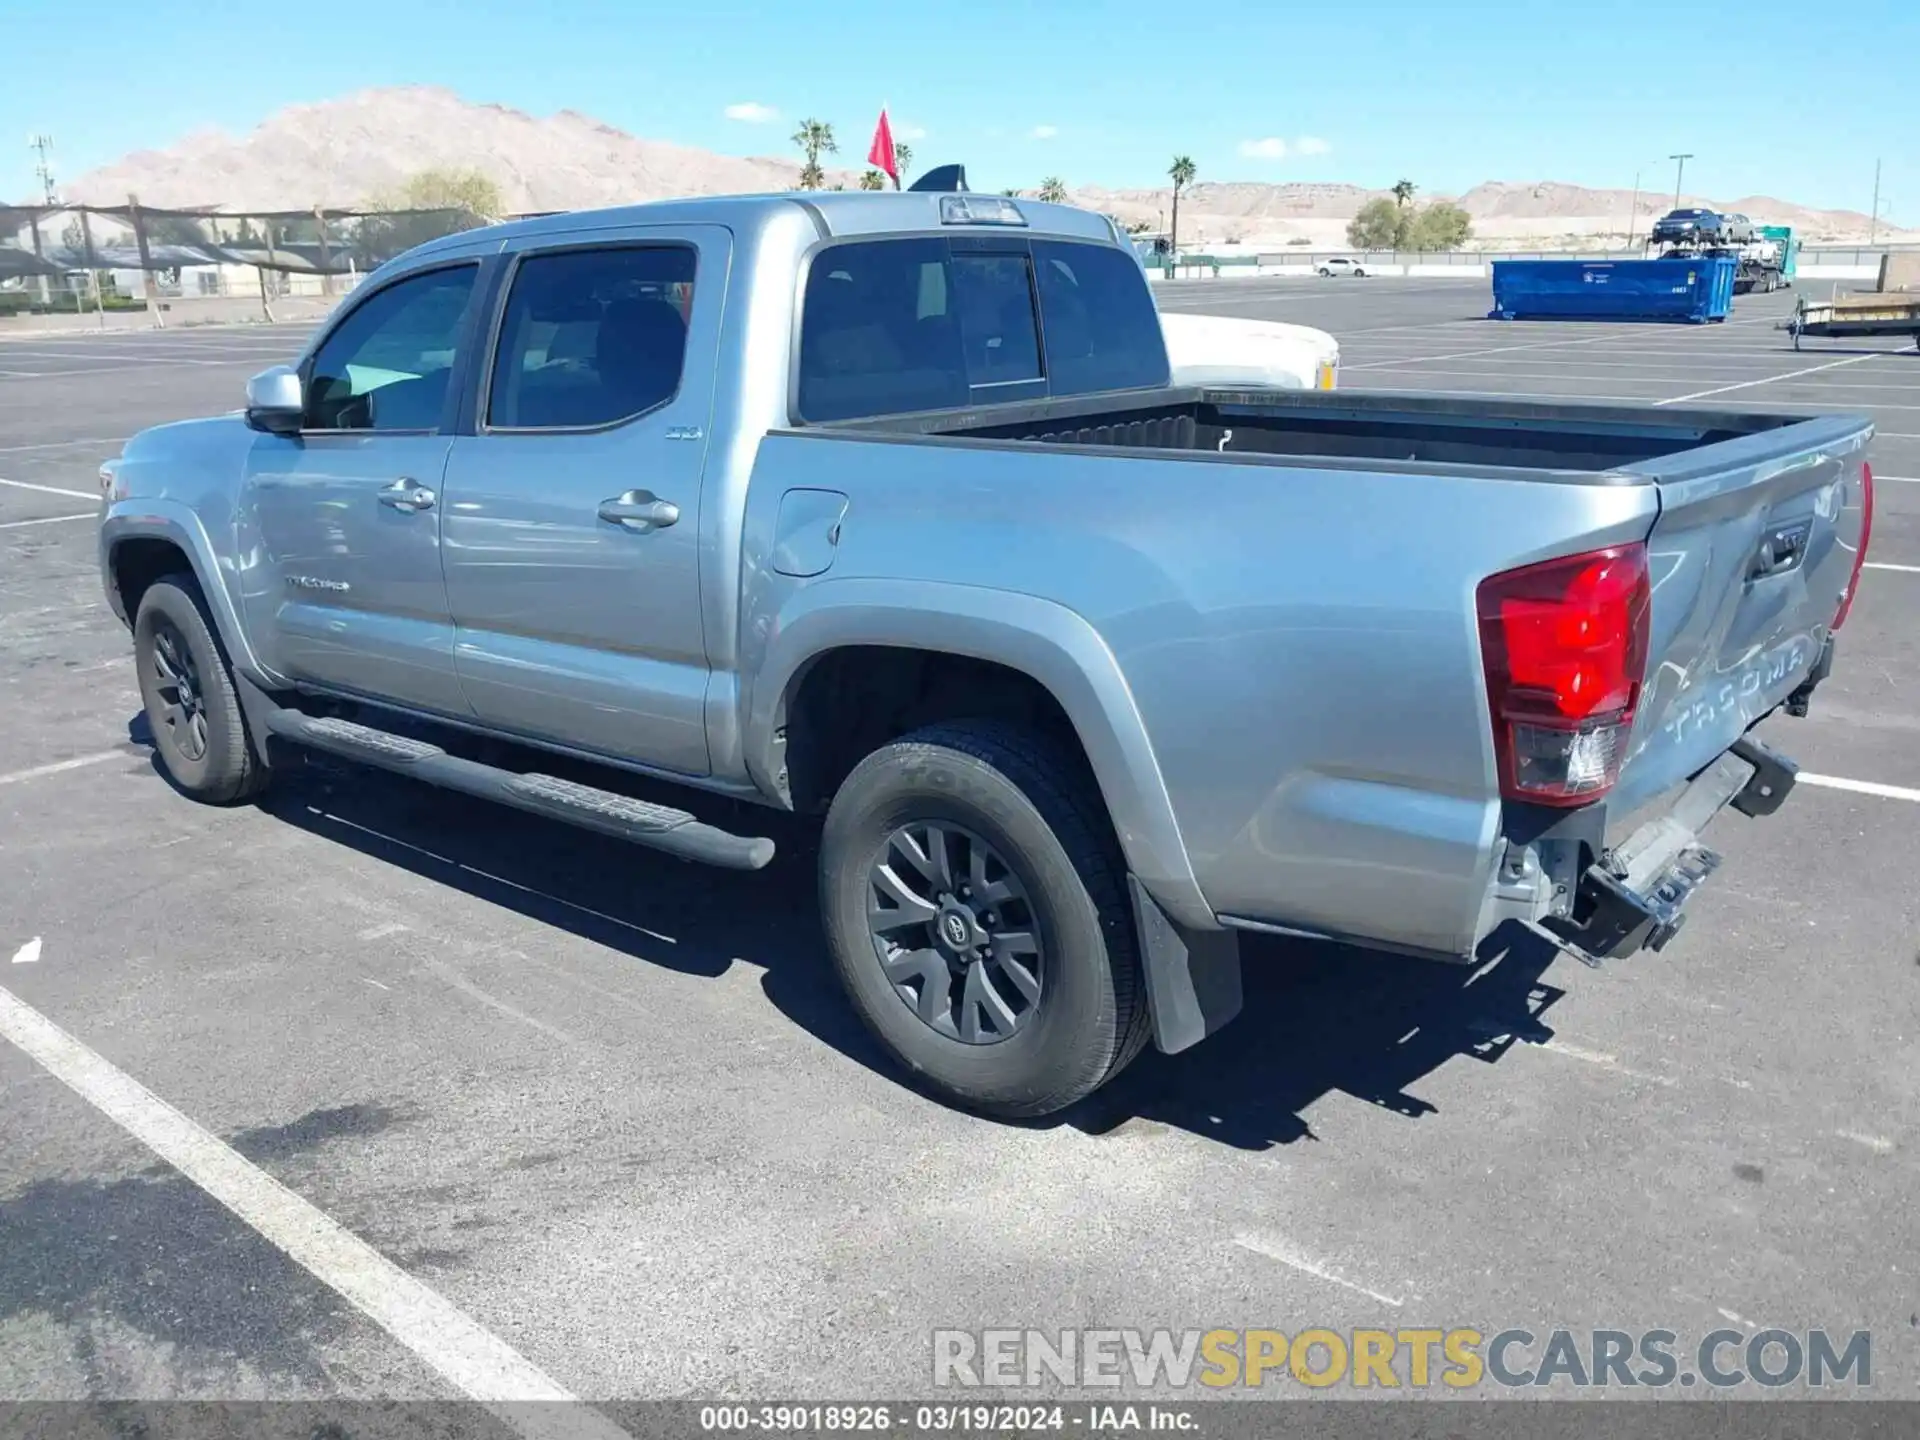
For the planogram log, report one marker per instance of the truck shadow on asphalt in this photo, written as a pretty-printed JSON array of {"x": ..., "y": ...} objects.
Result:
[{"x": 1319, "y": 1019}]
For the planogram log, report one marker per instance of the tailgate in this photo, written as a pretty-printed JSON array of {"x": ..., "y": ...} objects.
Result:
[{"x": 1750, "y": 557}]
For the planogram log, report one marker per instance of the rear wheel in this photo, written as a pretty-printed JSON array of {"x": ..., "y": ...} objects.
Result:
[
  {"x": 974, "y": 904},
  {"x": 192, "y": 703}
]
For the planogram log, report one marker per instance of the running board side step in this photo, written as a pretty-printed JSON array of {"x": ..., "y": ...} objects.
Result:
[{"x": 657, "y": 826}]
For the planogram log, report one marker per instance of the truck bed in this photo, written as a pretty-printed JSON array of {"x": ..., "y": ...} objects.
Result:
[{"x": 1568, "y": 442}]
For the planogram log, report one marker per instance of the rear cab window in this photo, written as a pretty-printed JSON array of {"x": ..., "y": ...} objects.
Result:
[
  {"x": 591, "y": 337},
  {"x": 893, "y": 326}
]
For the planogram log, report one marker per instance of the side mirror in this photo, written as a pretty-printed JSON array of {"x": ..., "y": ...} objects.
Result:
[{"x": 276, "y": 402}]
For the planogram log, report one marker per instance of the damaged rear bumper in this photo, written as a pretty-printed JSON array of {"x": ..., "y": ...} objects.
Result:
[{"x": 1635, "y": 895}]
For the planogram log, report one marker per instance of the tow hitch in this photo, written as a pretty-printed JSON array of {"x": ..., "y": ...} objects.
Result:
[{"x": 1635, "y": 896}]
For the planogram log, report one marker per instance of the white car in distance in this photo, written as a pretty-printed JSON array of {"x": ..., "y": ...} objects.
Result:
[{"x": 1341, "y": 265}]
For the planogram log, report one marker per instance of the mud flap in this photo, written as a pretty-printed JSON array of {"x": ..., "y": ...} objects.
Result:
[{"x": 1193, "y": 976}]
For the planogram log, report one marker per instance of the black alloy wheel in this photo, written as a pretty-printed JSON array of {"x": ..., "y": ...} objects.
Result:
[
  {"x": 955, "y": 932},
  {"x": 176, "y": 681}
]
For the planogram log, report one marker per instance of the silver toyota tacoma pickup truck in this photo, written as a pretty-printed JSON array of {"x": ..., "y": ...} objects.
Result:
[{"x": 882, "y": 508}]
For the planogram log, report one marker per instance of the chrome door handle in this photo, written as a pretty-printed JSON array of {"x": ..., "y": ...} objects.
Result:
[
  {"x": 408, "y": 495},
  {"x": 639, "y": 510}
]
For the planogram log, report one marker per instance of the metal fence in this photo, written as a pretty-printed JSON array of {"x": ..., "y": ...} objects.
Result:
[
  {"x": 68, "y": 257},
  {"x": 1306, "y": 256},
  {"x": 77, "y": 258}
]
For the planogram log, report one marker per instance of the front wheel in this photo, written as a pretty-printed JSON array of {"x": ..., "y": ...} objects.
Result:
[
  {"x": 975, "y": 908},
  {"x": 192, "y": 703}
]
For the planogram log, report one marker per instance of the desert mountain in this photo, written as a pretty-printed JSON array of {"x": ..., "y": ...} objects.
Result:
[{"x": 341, "y": 151}]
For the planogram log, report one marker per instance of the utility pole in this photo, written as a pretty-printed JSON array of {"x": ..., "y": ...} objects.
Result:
[
  {"x": 1633, "y": 210},
  {"x": 1678, "y": 175},
  {"x": 42, "y": 144},
  {"x": 149, "y": 277},
  {"x": 1873, "y": 224}
]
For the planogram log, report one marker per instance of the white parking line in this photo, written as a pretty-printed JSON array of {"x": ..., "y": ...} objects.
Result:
[
  {"x": 52, "y": 490},
  {"x": 1555, "y": 344},
  {"x": 45, "y": 520},
  {"x": 110, "y": 369},
  {"x": 469, "y": 1357},
  {"x": 1771, "y": 379},
  {"x": 99, "y": 757},
  {"x": 1861, "y": 787},
  {"x": 1887, "y": 565},
  {"x": 1413, "y": 367},
  {"x": 1637, "y": 374},
  {"x": 156, "y": 352},
  {"x": 1605, "y": 1062},
  {"x": 1879, "y": 1144},
  {"x": 1286, "y": 1257},
  {"x": 1899, "y": 479},
  {"x": 65, "y": 444}
]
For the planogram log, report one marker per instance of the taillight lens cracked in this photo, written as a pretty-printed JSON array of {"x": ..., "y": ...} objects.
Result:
[{"x": 1564, "y": 643}]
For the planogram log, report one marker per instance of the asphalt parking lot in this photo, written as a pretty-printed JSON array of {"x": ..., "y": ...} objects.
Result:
[{"x": 614, "y": 1112}]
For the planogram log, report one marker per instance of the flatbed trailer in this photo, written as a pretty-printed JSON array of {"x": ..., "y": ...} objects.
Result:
[
  {"x": 1856, "y": 317},
  {"x": 1753, "y": 272}
]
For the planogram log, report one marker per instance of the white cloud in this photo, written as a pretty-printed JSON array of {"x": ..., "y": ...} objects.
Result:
[
  {"x": 1044, "y": 132},
  {"x": 752, "y": 112},
  {"x": 909, "y": 132},
  {"x": 1311, "y": 145},
  {"x": 1271, "y": 148}
]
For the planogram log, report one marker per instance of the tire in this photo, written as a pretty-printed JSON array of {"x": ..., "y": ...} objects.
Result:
[
  {"x": 202, "y": 741},
  {"x": 1033, "y": 804},
  {"x": 1326, "y": 273}
]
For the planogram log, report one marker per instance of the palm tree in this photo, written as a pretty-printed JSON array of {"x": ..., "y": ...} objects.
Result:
[
  {"x": 1181, "y": 172},
  {"x": 1403, "y": 194},
  {"x": 902, "y": 158},
  {"x": 815, "y": 138},
  {"x": 873, "y": 180},
  {"x": 1052, "y": 190}
]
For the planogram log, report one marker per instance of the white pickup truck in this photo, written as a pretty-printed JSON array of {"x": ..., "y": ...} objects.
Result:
[{"x": 1226, "y": 350}]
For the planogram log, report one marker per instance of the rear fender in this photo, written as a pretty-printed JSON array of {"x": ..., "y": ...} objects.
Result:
[
  {"x": 1044, "y": 640},
  {"x": 169, "y": 520}
]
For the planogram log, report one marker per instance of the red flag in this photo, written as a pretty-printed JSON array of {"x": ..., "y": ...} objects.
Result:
[{"x": 880, "y": 153}]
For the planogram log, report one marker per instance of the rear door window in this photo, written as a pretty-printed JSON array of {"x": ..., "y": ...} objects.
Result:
[
  {"x": 591, "y": 337},
  {"x": 1103, "y": 332},
  {"x": 893, "y": 326}
]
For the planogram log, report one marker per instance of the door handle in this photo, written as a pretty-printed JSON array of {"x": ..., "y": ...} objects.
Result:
[
  {"x": 639, "y": 510},
  {"x": 408, "y": 495}
]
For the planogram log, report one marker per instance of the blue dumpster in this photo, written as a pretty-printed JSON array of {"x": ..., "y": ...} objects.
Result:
[{"x": 1695, "y": 290}]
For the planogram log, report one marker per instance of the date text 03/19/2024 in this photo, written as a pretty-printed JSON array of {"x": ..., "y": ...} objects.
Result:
[{"x": 938, "y": 1419}]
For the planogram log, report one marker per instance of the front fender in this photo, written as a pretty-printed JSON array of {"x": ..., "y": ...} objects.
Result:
[
  {"x": 153, "y": 518},
  {"x": 1042, "y": 639}
]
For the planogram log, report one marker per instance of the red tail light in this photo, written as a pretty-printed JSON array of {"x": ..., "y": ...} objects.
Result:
[
  {"x": 1860, "y": 555},
  {"x": 1565, "y": 649}
]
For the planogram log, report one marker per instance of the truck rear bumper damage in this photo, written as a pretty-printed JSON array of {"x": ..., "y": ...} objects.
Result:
[{"x": 1635, "y": 895}]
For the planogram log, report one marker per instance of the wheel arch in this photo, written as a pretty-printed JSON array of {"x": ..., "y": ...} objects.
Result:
[
  {"x": 1045, "y": 644},
  {"x": 141, "y": 543}
]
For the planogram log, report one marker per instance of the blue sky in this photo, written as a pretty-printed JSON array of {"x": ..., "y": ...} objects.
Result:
[{"x": 1444, "y": 92}]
